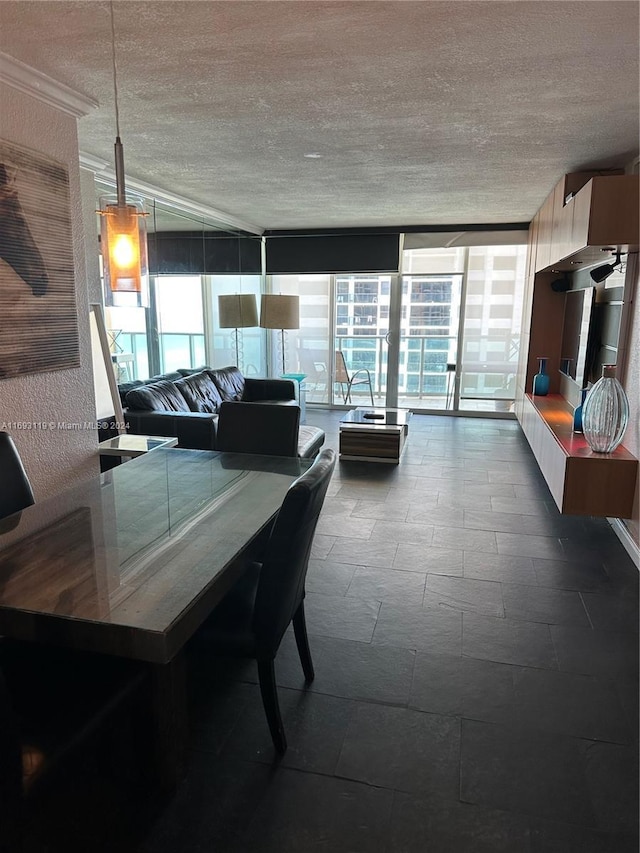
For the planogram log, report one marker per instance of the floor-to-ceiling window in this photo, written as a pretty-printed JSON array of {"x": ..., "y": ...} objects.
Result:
[
  {"x": 308, "y": 349},
  {"x": 127, "y": 334},
  {"x": 453, "y": 316},
  {"x": 491, "y": 327},
  {"x": 180, "y": 321},
  {"x": 361, "y": 329},
  {"x": 460, "y": 327},
  {"x": 250, "y": 355}
]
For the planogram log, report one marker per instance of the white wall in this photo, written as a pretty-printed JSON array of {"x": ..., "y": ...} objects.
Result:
[{"x": 54, "y": 459}]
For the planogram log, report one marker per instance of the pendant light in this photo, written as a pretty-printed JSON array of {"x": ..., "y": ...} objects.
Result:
[{"x": 123, "y": 229}]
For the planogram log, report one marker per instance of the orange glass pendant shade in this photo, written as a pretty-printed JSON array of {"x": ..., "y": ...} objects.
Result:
[
  {"x": 123, "y": 230},
  {"x": 124, "y": 253}
]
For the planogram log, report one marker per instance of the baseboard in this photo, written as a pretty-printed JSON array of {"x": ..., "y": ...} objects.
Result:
[{"x": 628, "y": 542}]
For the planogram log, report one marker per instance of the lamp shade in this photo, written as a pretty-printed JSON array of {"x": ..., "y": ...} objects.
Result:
[
  {"x": 124, "y": 253},
  {"x": 279, "y": 312},
  {"x": 237, "y": 311}
]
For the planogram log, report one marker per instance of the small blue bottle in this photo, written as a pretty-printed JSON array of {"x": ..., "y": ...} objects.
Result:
[
  {"x": 577, "y": 412},
  {"x": 541, "y": 379}
]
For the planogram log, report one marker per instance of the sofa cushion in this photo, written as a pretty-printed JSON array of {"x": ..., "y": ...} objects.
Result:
[
  {"x": 200, "y": 392},
  {"x": 157, "y": 397},
  {"x": 125, "y": 387},
  {"x": 164, "y": 377},
  {"x": 268, "y": 390},
  {"x": 229, "y": 382},
  {"x": 196, "y": 430}
]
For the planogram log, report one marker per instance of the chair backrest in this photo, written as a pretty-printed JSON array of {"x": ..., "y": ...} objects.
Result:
[
  {"x": 15, "y": 488},
  {"x": 284, "y": 568},
  {"x": 342, "y": 374},
  {"x": 271, "y": 430}
]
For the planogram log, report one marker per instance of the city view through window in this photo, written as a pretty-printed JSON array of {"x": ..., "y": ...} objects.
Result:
[
  {"x": 444, "y": 335},
  {"x": 455, "y": 321}
]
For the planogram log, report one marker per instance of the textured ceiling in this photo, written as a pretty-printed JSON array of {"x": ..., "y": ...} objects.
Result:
[{"x": 423, "y": 112}]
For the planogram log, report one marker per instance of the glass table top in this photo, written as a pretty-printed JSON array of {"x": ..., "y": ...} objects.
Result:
[
  {"x": 137, "y": 546},
  {"x": 381, "y": 418}
]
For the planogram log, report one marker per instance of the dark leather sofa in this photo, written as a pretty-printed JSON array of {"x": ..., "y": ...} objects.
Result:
[{"x": 186, "y": 404}]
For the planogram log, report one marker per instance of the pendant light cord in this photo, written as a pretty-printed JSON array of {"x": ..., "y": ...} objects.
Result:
[{"x": 115, "y": 76}]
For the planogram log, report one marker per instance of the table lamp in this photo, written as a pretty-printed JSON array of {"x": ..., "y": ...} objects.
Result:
[
  {"x": 237, "y": 311},
  {"x": 280, "y": 312}
]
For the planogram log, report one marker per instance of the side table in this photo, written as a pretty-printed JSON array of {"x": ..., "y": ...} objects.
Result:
[{"x": 128, "y": 446}]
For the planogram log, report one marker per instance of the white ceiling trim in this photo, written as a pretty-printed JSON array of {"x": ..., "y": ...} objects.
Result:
[
  {"x": 32, "y": 82},
  {"x": 105, "y": 173}
]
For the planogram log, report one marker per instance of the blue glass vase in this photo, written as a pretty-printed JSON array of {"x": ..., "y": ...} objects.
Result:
[
  {"x": 577, "y": 412},
  {"x": 541, "y": 379}
]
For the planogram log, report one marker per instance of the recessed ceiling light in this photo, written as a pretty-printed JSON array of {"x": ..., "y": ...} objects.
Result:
[{"x": 313, "y": 155}]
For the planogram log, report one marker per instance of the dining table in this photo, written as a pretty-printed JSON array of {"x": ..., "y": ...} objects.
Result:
[{"x": 131, "y": 562}]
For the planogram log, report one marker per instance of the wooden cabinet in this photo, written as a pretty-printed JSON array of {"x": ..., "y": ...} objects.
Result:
[
  {"x": 603, "y": 212},
  {"x": 585, "y": 213},
  {"x": 545, "y": 228},
  {"x": 581, "y": 482}
]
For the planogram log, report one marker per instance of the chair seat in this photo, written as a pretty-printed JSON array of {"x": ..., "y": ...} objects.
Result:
[{"x": 310, "y": 440}]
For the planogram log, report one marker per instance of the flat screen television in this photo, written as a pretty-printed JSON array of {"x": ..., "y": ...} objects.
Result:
[{"x": 577, "y": 334}]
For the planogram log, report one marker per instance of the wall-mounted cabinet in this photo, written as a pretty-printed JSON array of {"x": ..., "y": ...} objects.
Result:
[
  {"x": 584, "y": 214},
  {"x": 581, "y": 482},
  {"x": 573, "y": 226}
]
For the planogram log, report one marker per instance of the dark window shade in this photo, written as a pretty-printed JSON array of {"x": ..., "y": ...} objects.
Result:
[
  {"x": 189, "y": 253},
  {"x": 334, "y": 254}
]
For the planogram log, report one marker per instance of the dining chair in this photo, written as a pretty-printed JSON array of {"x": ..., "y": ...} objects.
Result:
[
  {"x": 15, "y": 488},
  {"x": 343, "y": 378},
  {"x": 258, "y": 428},
  {"x": 252, "y": 619}
]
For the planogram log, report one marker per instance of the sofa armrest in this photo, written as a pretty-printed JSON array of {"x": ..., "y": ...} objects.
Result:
[
  {"x": 194, "y": 430},
  {"x": 268, "y": 389}
]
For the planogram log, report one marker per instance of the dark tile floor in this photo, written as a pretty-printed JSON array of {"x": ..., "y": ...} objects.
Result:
[{"x": 476, "y": 661}]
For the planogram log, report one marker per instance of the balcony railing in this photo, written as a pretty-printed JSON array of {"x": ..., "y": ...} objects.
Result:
[
  {"x": 177, "y": 349},
  {"x": 425, "y": 372}
]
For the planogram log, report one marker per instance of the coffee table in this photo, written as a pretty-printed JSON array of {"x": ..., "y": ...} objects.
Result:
[{"x": 374, "y": 435}]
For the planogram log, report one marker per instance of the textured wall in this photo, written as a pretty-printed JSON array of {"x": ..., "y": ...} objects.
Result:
[{"x": 54, "y": 458}]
